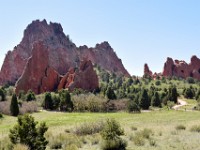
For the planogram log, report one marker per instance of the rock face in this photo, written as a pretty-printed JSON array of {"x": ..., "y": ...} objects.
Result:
[
  {"x": 147, "y": 71},
  {"x": 38, "y": 75},
  {"x": 182, "y": 69},
  {"x": 85, "y": 78},
  {"x": 63, "y": 53}
]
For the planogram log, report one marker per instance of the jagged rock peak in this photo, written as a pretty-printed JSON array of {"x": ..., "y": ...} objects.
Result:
[
  {"x": 103, "y": 45},
  {"x": 147, "y": 71}
]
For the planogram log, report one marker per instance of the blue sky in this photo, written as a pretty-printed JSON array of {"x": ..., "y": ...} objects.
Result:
[{"x": 140, "y": 31}]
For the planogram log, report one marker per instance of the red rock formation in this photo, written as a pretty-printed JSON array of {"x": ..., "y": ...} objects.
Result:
[
  {"x": 147, "y": 71},
  {"x": 37, "y": 75},
  {"x": 182, "y": 69},
  {"x": 85, "y": 78},
  {"x": 63, "y": 54}
]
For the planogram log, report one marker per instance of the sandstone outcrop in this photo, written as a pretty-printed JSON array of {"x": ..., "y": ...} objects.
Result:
[
  {"x": 180, "y": 68},
  {"x": 63, "y": 53},
  {"x": 84, "y": 77},
  {"x": 38, "y": 75},
  {"x": 147, "y": 71}
]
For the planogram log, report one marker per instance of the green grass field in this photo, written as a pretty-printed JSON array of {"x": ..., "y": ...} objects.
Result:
[{"x": 162, "y": 123}]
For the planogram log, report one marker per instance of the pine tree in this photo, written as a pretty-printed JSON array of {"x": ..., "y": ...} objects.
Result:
[
  {"x": 173, "y": 94},
  {"x": 26, "y": 132},
  {"x": 144, "y": 99},
  {"x": 66, "y": 103},
  {"x": 14, "y": 108},
  {"x": 48, "y": 103},
  {"x": 110, "y": 93},
  {"x": 155, "y": 101}
]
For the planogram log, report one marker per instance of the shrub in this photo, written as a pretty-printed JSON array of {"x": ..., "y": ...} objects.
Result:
[
  {"x": 1, "y": 116},
  {"x": 146, "y": 133},
  {"x": 111, "y": 136},
  {"x": 138, "y": 140},
  {"x": 5, "y": 107},
  {"x": 14, "y": 108},
  {"x": 195, "y": 128},
  {"x": 28, "y": 107},
  {"x": 26, "y": 132},
  {"x": 30, "y": 96},
  {"x": 180, "y": 127},
  {"x": 89, "y": 128},
  {"x": 190, "y": 80},
  {"x": 133, "y": 106},
  {"x": 110, "y": 93},
  {"x": 189, "y": 92},
  {"x": 157, "y": 82}
]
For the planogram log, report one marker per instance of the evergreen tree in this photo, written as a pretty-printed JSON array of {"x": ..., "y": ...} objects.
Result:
[
  {"x": 26, "y": 132},
  {"x": 30, "y": 96},
  {"x": 65, "y": 101},
  {"x": 110, "y": 93},
  {"x": 172, "y": 94},
  {"x": 144, "y": 99},
  {"x": 155, "y": 101},
  {"x": 2, "y": 95},
  {"x": 48, "y": 103},
  {"x": 14, "y": 108}
]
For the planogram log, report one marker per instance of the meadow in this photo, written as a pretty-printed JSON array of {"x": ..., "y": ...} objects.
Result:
[{"x": 163, "y": 126}]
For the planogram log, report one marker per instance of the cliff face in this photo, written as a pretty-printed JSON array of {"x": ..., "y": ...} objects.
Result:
[{"x": 62, "y": 55}]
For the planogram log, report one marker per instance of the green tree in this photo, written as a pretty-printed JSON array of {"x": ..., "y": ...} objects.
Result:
[
  {"x": 30, "y": 96},
  {"x": 66, "y": 103},
  {"x": 48, "y": 103},
  {"x": 155, "y": 101},
  {"x": 25, "y": 132},
  {"x": 189, "y": 92},
  {"x": 144, "y": 99},
  {"x": 14, "y": 108},
  {"x": 2, "y": 95},
  {"x": 110, "y": 93},
  {"x": 133, "y": 106},
  {"x": 111, "y": 135},
  {"x": 173, "y": 94}
]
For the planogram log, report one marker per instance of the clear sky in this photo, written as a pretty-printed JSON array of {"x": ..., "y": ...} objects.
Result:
[{"x": 140, "y": 31}]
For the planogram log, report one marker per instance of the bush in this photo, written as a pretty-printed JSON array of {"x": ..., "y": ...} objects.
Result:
[
  {"x": 195, "y": 128},
  {"x": 14, "y": 108},
  {"x": 133, "y": 106},
  {"x": 111, "y": 136},
  {"x": 28, "y": 107},
  {"x": 180, "y": 127},
  {"x": 5, "y": 107},
  {"x": 189, "y": 92},
  {"x": 138, "y": 140},
  {"x": 172, "y": 94},
  {"x": 190, "y": 80},
  {"x": 110, "y": 93},
  {"x": 30, "y": 96},
  {"x": 155, "y": 100},
  {"x": 89, "y": 128},
  {"x": 26, "y": 132},
  {"x": 89, "y": 102},
  {"x": 157, "y": 82}
]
